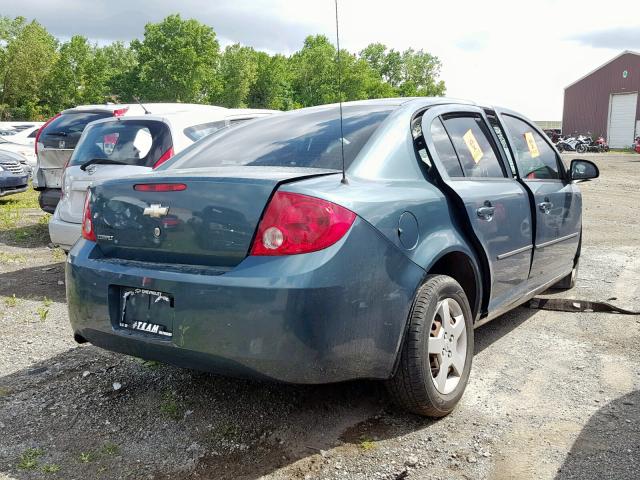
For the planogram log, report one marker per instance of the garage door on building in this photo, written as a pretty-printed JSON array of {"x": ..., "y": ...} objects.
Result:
[{"x": 622, "y": 119}]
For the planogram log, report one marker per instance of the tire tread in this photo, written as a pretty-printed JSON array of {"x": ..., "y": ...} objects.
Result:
[{"x": 407, "y": 385}]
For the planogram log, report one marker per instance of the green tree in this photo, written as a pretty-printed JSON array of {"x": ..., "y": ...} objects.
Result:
[
  {"x": 177, "y": 61},
  {"x": 27, "y": 59},
  {"x": 314, "y": 72},
  {"x": 70, "y": 74},
  {"x": 410, "y": 73},
  {"x": 121, "y": 64},
  {"x": 420, "y": 74},
  {"x": 272, "y": 88},
  {"x": 238, "y": 74}
]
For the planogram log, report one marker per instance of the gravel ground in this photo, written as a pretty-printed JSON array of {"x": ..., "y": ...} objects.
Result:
[{"x": 551, "y": 395}]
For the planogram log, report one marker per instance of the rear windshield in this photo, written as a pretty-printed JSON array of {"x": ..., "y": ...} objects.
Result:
[
  {"x": 196, "y": 132},
  {"x": 131, "y": 142},
  {"x": 302, "y": 138},
  {"x": 64, "y": 132}
]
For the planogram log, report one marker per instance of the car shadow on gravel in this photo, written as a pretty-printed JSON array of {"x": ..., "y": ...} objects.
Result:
[
  {"x": 35, "y": 282},
  {"x": 609, "y": 445},
  {"x": 97, "y": 414},
  {"x": 485, "y": 335}
]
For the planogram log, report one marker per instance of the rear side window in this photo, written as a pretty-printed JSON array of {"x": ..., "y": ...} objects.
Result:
[
  {"x": 300, "y": 138},
  {"x": 64, "y": 132},
  {"x": 130, "y": 142},
  {"x": 535, "y": 158},
  {"x": 470, "y": 138},
  {"x": 444, "y": 149}
]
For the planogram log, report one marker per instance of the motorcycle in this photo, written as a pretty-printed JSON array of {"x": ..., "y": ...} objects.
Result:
[
  {"x": 567, "y": 144},
  {"x": 582, "y": 145},
  {"x": 599, "y": 146}
]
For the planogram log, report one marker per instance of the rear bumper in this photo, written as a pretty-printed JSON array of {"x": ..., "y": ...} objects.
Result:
[
  {"x": 64, "y": 234},
  {"x": 10, "y": 183},
  {"x": 328, "y": 316},
  {"x": 49, "y": 198}
]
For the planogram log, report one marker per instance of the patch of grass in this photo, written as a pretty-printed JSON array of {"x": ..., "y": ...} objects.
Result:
[
  {"x": 29, "y": 459},
  {"x": 28, "y": 199},
  {"x": 42, "y": 313},
  {"x": 9, "y": 218},
  {"x": 4, "y": 392},
  {"x": 12, "y": 258},
  {"x": 367, "y": 444},
  {"x": 87, "y": 457},
  {"x": 110, "y": 449},
  {"x": 28, "y": 235},
  {"x": 19, "y": 235},
  {"x": 58, "y": 254},
  {"x": 152, "y": 364},
  {"x": 47, "y": 301},
  {"x": 50, "y": 468},
  {"x": 229, "y": 431},
  {"x": 170, "y": 406},
  {"x": 11, "y": 301},
  {"x": 19, "y": 224}
]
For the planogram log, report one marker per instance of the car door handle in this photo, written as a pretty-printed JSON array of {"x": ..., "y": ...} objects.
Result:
[
  {"x": 545, "y": 207},
  {"x": 486, "y": 212}
]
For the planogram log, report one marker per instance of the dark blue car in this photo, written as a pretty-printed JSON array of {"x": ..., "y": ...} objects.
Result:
[{"x": 275, "y": 267}]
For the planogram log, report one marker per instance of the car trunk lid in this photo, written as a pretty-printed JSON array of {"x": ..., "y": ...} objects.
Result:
[{"x": 210, "y": 222}]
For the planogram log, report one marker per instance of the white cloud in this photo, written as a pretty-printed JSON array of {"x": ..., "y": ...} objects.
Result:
[{"x": 511, "y": 53}]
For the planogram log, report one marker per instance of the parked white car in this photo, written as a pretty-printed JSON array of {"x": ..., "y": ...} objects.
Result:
[
  {"x": 124, "y": 146},
  {"x": 22, "y": 142}
]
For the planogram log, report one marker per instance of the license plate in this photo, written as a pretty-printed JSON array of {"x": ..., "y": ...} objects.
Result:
[{"x": 147, "y": 311}]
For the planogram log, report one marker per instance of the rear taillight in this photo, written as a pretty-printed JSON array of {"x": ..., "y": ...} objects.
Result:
[
  {"x": 165, "y": 156},
  {"x": 87, "y": 222},
  {"x": 159, "y": 187},
  {"x": 41, "y": 129},
  {"x": 295, "y": 223}
]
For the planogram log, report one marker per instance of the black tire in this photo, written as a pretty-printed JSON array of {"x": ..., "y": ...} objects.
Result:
[
  {"x": 560, "y": 148},
  {"x": 581, "y": 148},
  {"x": 413, "y": 387}
]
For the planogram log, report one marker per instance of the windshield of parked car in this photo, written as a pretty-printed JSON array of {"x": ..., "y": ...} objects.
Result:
[
  {"x": 302, "y": 138},
  {"x": 126, "y": 142}
]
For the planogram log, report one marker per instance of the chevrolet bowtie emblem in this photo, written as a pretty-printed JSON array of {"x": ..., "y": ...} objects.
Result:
[{"x": 156, "y": 210}]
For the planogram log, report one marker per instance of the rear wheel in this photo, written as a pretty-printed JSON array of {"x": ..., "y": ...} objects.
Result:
[
  {"x": 436, "y": 356},
  {"x": 581, "y": 148}
]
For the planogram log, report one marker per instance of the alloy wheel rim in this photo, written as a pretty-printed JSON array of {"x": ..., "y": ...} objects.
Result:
[{"x": 447, "y": 345}]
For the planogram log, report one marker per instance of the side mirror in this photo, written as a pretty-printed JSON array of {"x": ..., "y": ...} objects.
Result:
[{"x": 583, "y": 170}]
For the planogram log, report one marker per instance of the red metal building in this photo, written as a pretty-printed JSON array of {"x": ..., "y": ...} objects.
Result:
[{"x": 606, "y": 101}]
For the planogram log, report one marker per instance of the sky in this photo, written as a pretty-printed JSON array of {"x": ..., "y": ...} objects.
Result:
[{"x": 513, "y": 54}]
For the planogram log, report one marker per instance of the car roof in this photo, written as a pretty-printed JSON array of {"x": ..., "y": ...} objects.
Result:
[
  {"x": 180, "y": 119},
  {"x": 418, "y": 102},
  {"x": 153, "y": 108}
]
